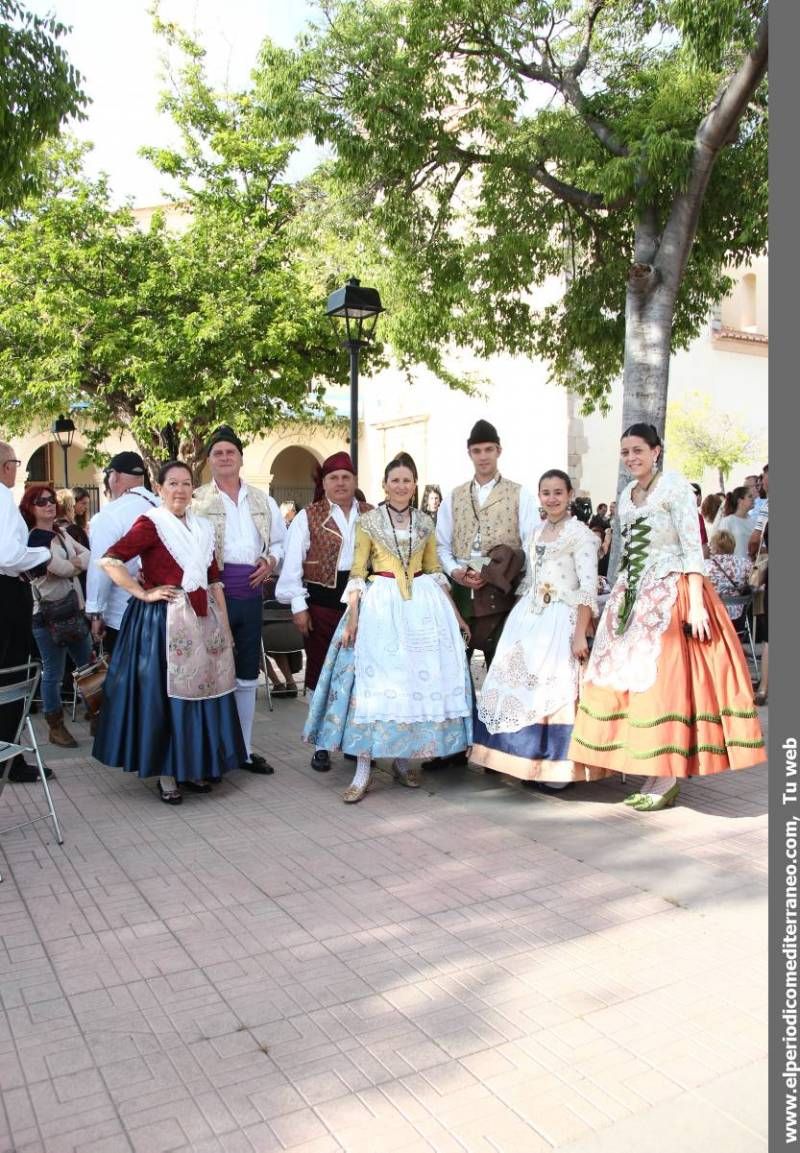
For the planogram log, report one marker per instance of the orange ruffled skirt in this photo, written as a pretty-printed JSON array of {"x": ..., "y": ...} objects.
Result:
[{"x": 698, "y": 717}]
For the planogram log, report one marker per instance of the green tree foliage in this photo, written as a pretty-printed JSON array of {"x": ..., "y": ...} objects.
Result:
[
  {"x": 39, "y": 89},
  {"x": 209, "y": 312},
  {"x": 497, "y": 144},
  {"x": 700, "y": 436}
]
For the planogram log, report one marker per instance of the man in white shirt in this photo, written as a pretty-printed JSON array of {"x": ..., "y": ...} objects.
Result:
[
  {"x": 16, "y": 603},
  {"x": 477, "y": 516},
  {"x": 319, "y": 555},
  {"x": 249, "y": 536},
  {"x": 126, "y": 484}
]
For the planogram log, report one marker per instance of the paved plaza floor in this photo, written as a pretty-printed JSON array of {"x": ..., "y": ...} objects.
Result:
[{"x": 472, "y": 967}]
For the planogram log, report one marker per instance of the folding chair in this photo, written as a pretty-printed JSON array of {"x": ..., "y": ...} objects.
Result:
[
  {"x": 746, "y": 601},
  {"x": 24, "y": 690}
]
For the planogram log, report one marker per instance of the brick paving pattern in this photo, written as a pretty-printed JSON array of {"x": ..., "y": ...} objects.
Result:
[{"x": 473, "y": 967}]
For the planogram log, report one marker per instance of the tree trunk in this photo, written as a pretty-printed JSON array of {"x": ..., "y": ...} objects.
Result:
[{"x": 649, "y": 308}]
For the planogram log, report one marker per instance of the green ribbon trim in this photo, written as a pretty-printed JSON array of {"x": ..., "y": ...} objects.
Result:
[
  {"x": 692, "y": 751},
  {"x": 714, "y": 718}
]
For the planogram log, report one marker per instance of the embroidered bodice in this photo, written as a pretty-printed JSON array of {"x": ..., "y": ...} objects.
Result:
[
  {"x": 660, "y": 537},
  {"x": 401, "y": 552},
  {"x": 663, "y": 534},
  {"x": 564, "y": 569}
]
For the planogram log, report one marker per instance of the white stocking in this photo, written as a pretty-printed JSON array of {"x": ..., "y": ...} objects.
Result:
[
  {"x": 657, "y": 786},
  {"x": 245, "y": 695},
  {"x": 402, "y": 765},
  {"x": 168, "y": 784},
  {"x": 363, "y": 769}
]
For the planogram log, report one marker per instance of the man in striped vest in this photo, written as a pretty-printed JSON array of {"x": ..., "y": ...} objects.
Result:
[{"x": 474, "y": 519}]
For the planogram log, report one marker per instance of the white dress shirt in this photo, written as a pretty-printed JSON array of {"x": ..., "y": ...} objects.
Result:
[
  {"x": 529, "y": 519},
  {"x": 15, "y": 555},
  {"x": 243, "y": 543},
  {"x": 290, "y": 589},
  {"x": 105, "y": 529}
]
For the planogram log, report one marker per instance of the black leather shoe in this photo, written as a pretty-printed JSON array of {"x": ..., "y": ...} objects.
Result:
[
  {"x": 257, "y": 764},
  {"x": 446, "y": 762},
  {"x": 170, "y": 796},
  {"x": 196, "y": 786},
  {"x": 22, "y": 773},
  {"x": 321, "y": 761}
]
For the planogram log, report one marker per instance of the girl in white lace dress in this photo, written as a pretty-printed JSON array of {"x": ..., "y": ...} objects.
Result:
[{"x": 526, "y": 710}]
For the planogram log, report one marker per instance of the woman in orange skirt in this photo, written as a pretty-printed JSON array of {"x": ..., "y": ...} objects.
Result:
[{"x": 666, "y": 693}]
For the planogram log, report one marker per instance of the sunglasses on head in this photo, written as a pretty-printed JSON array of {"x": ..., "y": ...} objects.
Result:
[{"x": 41, "y": 501}]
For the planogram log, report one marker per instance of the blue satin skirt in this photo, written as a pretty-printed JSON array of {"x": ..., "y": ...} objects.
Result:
[{"x": 144, "y": 731}]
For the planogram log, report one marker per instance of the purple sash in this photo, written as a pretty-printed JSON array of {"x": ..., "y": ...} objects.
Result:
[{"x": 236, "y": 579}]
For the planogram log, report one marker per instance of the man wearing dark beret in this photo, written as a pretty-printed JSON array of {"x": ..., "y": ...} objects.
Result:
[
  {"x": 319, "y": 553},
  {"x": 477, "y": 518},
  {"x": 249, "y": 538}
]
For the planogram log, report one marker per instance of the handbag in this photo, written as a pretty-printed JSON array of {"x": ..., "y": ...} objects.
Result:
[
  {"x": 89, "y": 680},
  {"x": 64, "y": 618}
]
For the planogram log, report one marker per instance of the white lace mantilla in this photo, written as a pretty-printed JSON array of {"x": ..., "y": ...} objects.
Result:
[{"x": 629, "y": 663}]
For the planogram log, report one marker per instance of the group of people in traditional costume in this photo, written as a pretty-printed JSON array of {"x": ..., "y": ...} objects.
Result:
[
  {"x": 663, "y": 693},
  {"x": 391, "y": 605}
]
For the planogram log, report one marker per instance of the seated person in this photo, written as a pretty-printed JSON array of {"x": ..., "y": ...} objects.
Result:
[{"x": 728, "y": 573}]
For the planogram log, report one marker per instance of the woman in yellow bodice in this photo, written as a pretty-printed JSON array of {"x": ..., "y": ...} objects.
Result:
[{"x": 395, "y": 682}]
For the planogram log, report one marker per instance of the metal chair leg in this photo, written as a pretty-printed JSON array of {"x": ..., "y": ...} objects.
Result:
[{"x": 43, "y": 779}]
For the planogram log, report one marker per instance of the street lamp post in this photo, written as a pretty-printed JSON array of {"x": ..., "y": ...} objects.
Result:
[
  {"x": 64, "y": 430},
  {"x": 359, "y": 308}
]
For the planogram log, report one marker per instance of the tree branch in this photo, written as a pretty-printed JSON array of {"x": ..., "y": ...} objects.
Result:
[
  {"x": 578, "y": 197},
  {"x": 713, "y": 133}
]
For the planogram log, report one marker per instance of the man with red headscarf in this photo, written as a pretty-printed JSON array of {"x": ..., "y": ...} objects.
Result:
[{"x": 316, "y": 566}]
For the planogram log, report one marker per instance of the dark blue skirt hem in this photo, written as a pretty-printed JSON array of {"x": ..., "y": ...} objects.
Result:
[{"x": 141, "y": 729}]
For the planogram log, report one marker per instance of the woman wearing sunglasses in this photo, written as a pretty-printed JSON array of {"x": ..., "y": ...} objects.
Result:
[{"x": 68, "y": 559}]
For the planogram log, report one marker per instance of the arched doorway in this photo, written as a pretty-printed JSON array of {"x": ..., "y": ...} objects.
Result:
[
  {"x": 291, "y": 476},
  {"x": 39, "y": 468}
]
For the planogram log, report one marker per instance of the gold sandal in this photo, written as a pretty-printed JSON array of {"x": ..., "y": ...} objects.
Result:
[
  {"x": 410, "y": 779},
  {"x": 354, "y": 793}
]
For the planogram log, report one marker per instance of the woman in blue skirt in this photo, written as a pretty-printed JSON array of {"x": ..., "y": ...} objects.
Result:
[{"x": 168, "y": 707}]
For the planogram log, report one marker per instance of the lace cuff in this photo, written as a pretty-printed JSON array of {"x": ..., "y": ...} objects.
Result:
[
  {"x": 582, "y": 597},
  {"x": 441, "y": 580},
  {"x": 355, "y": 584},
  {"x": 108, "y": 561}
]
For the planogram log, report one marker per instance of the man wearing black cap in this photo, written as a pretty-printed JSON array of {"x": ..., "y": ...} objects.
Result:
[
  {"x": 249, "y": 537},
  {"x": 126, "y": 485},
  {"x": 478, "y": 516}
]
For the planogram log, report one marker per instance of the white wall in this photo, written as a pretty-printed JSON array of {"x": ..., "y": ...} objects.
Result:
[{"x": 433, "y": 422}]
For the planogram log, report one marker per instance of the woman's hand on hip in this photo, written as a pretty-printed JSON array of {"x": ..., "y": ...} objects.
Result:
[{"x": 160, "y": 593}]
